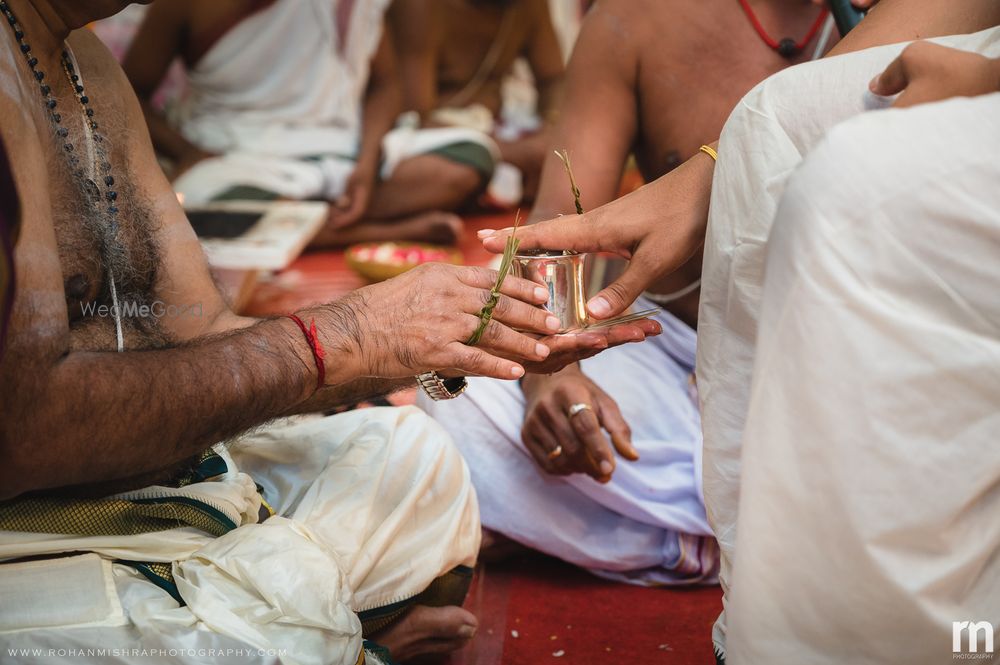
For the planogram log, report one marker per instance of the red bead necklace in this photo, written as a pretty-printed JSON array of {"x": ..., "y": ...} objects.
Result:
[{"x": 787, "y": 47}]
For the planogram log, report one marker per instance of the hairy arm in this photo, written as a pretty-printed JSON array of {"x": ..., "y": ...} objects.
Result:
[
  {"x": 67, "y": 417},
  {"x": 158, "y": 42}
]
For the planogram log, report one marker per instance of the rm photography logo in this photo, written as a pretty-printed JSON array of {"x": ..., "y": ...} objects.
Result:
[
  {"x": 131, "y": 309},
  {"x": 972, "y": 640}
]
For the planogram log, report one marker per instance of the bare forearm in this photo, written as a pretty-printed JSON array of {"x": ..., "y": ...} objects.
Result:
[
  {"x": 96, "y": 417},
  {"x": 382, "y": 107}
]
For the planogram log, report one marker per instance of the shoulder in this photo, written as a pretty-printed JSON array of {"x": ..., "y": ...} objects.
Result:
[
  {"x": 17, "y": 93},
  {"x": 626, "y": 17},
  {"x": 103, "y": 75}
]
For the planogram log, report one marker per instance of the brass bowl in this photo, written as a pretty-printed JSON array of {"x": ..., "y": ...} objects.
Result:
[{"x": 379, "y": 261}]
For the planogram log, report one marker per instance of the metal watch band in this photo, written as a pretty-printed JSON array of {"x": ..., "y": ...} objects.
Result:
[{"x": 439, "y": 389}]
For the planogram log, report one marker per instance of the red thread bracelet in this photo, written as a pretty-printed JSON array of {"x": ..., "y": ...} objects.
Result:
[{"x": 314, "y": 345}]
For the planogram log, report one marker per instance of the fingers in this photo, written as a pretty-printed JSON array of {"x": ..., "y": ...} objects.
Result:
[
  {"x": 474, "y": 361},
  {"x": 587, "y": 428},
  {"x": 864, "y": 4},
  {"x": 634, "y": 331},
  {"x": 569, "y": 348},
  {"x": 900, "y": 73},
  {"x": 519, "y": 315},
  {"x": 614, "y": 423},
  {"x": 571, "y": 232},
  {"x": 540, "y": 442},
  {"x": 521, "y": 289},
  {"x": 616, "y": 298},
  {"x": 503, "y": 341},
  {"x": 891, "y": 81}
]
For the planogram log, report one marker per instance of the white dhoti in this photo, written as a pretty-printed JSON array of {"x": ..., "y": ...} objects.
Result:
[
  {"x": 372, "y": 506},
  {"x": 279, "y": 96},
  {"x": 764, "y": 141},
  {"x": 871, "y": 469},
  {"x": 647, "y": 525}
]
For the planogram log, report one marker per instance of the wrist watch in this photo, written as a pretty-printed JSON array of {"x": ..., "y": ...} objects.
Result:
[{"x": 439, "y": 389}]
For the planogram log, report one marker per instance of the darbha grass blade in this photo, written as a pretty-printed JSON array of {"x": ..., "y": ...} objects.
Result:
[{"x": 486, "y": 313}]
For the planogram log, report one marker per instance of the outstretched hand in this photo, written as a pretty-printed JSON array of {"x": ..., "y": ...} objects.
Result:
[
  {"x": 657, "y": 227},
  {"x": 926, "y": 72},
  {"x": 421, "y": 321}
]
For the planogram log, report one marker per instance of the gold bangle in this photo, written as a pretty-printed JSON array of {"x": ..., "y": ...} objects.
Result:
[{"x": 710, "y": 151}]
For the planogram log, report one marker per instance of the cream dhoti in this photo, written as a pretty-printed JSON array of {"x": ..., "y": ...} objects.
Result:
[
  {"x": 371, "y": 508},
  {"x": 279, "y": 96},
  {"x": 869, "y": 494},
  {"x": 646, "y": 526},
  {"x": 764, "y": 141}
]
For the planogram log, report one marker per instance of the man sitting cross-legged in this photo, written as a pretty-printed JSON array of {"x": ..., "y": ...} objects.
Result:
[
  {"x": 122, "y": 524},
  {"x": 454, "y": 56},
  {"x": 297, "y": 99},
  {"x": 631, "y": 87}
]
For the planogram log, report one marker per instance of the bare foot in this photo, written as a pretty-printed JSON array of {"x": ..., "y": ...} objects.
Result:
[
  {"x": 441, "y": 228},
  {"x": 426, "y": 631},
  {"x": 496, "y": 547}
]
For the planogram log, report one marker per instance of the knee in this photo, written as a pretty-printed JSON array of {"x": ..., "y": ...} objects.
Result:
[{"x": 462, "y": 181}]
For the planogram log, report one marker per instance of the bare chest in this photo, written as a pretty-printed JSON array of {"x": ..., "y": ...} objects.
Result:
[
  {"x": 687, "y": 86},
  {"x": 101, "y": 228},
  {"x": 480, "y": 46}
]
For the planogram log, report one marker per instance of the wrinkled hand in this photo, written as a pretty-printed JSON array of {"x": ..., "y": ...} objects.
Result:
[
  {"x": 657, "y": 227},
  {"x": 351, "y": 205},
  {"x": 925, "y": 72},
  {"x": 585, "y": 448},
  {"x": 420, "y": 321}
]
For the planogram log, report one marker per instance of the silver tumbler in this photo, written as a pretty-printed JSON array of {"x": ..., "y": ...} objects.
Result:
[{"x": 562, "y": 275}]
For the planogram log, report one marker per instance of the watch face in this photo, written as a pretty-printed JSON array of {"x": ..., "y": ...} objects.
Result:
[{"x": 454, "y": 384}]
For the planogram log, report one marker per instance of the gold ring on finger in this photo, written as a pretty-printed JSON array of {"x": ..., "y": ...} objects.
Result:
[
  {"x": 555, "y": 452},
  {"x": 577, "y": 409}
]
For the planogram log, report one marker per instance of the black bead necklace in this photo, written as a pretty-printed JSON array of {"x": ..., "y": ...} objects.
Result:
[{"x": 100, "y": 162}]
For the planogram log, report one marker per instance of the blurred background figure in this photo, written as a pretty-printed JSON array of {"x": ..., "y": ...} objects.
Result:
[
  {"x": 455, "y": 56},
  {"x": 297, "y": 99}
]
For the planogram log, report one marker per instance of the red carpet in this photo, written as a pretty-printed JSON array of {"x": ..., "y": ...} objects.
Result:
[{"x": 535, "y": 609}]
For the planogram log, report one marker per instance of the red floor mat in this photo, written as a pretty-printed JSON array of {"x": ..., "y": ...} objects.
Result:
[{"x": 535, "y": 609}]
